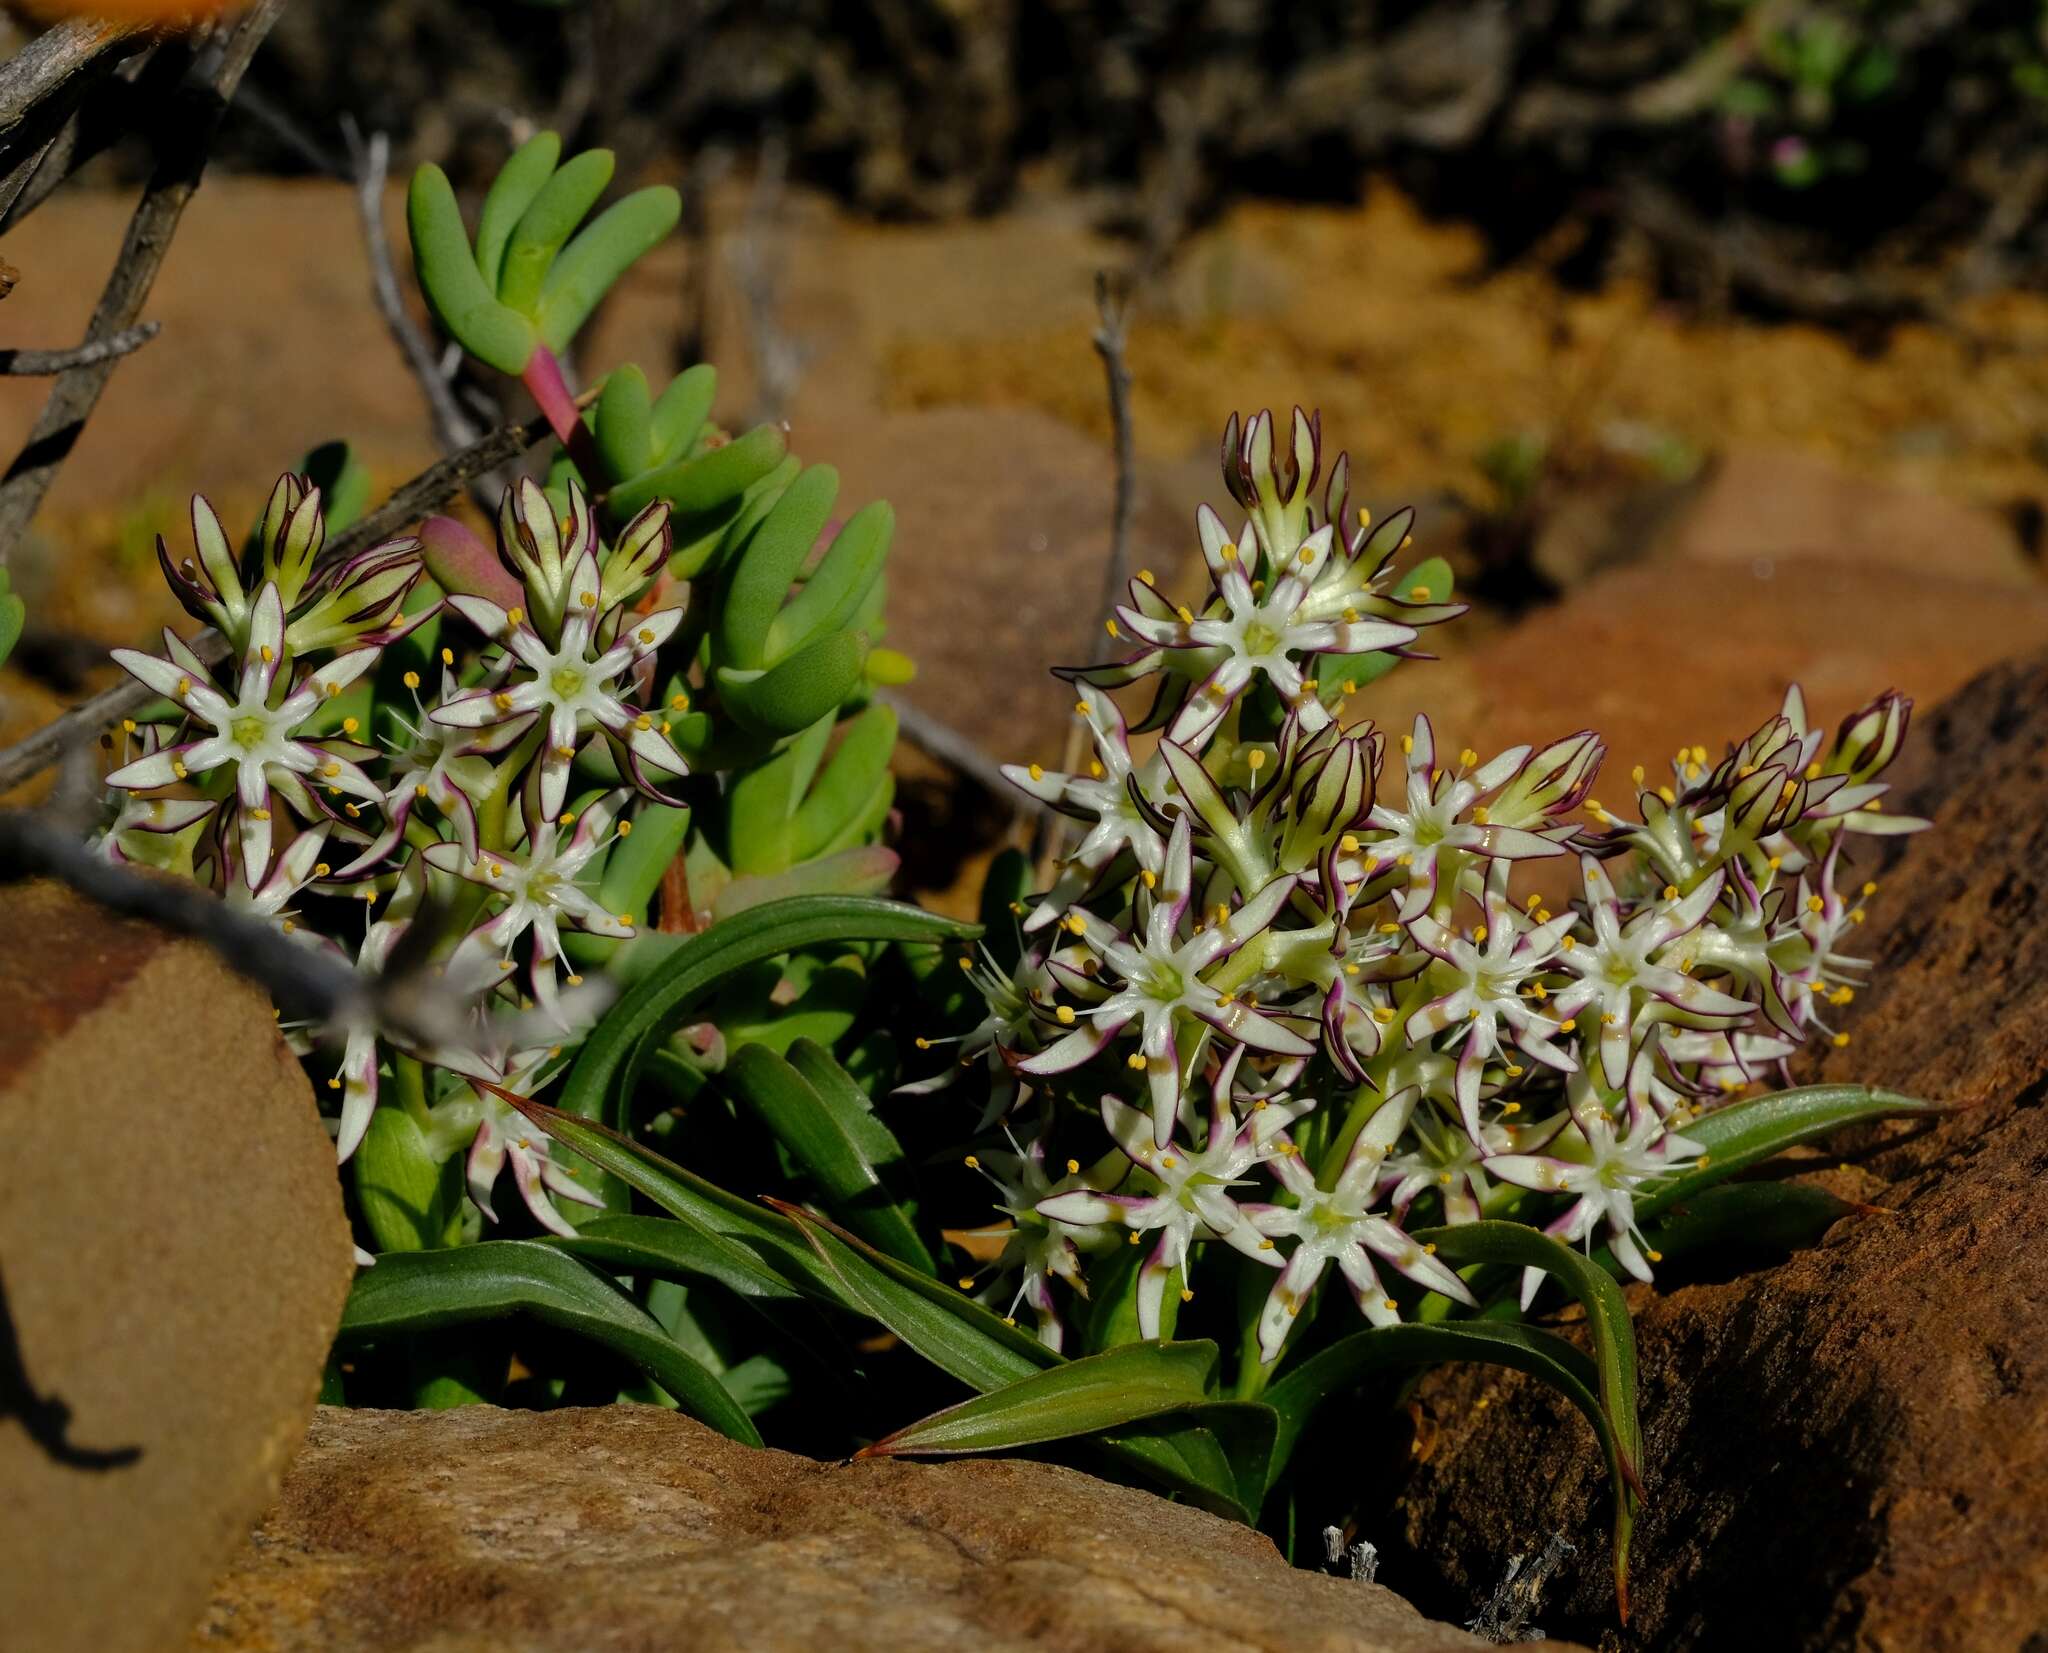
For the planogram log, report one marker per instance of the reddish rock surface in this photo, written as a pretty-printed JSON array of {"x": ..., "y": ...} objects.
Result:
[
  {"x": 1849, "y": 1450},
  {"x": 476, "y": 1531},
  {"x": 173, "y": 1261}
]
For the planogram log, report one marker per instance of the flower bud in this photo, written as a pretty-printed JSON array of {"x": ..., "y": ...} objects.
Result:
[
  {"x": 363, "y": 599},
  {"x": 294, "y": 529},
  {"x": 1869, "y": 739},
  {"x": 1553, "y": 782},
  {"x": 642, "y": 549},
  {"x": 1329, "y": 793}
]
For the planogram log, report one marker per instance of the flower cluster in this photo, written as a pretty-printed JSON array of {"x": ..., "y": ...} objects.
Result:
[
  {"x": 1287, "y": 967},
  {"x": 315, "y": 766}
]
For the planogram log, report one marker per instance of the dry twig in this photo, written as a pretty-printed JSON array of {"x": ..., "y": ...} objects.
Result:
[
  {"x": 41, "y": 363},
  {"x": 370, "y": 160},
  {"x": 181, "y": 136}
]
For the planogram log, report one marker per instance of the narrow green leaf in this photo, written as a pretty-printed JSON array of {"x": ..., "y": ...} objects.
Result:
[
  {"x": 1607, "y": 1321},
  {"x": 758, "y": 1254},
  {"x": 670, "y": 1248},
  {"x": 856, "y": 1159},
  {"x": 946, "y": 1326},
  {"x": 705, "y": 481},
  {"x": 1078, "y": 1397},
  {"x": 680, "y": 412},
  {"x": 420, "y": 1290},
  {"x": 1737, "y": 1137},
  {"x": 1745, "y": 1218}
]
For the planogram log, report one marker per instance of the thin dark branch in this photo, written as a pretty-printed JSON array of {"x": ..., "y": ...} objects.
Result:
[
  {"x": 39, "y": 363},
  {"x": 370, "y": 160},
  {"x": 256, "y": 104},
  {"x": 181, "y": 138},
  {"x": 410, "y": 1003},
  {"x": 307, "y": 983},
  {"x": 941, "y": 741},
  {"x": 35, "y": 753},
  {"x": 1112, "y": 308}
]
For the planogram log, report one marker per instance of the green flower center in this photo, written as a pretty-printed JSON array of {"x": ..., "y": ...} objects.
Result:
[
  {"x": 1260, "y": 638},
  {"x": 1164, "y": 983},
  {"x": 567, "y": 682},
  {"x": 249, "y": 732}
]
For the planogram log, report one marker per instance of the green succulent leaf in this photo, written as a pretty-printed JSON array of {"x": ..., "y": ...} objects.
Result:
[
  {"x": 418, "y": 1291},
  {"x": 680, "y": 413},
  {"x": 596, "y": 259},
  {"x": 798, "y": 690},
  {"x": 768, "y": 565},
  {"x": 410, "y": 1199},
  {"x": 831, "y": 597},
  {"x": 549, "y": 220},
  {"x": 521, "y": 178},
  {"x": 448, "y": 275},
  {"x": 1077, "y": 1397},
  {"x": 706, "y": 481}
]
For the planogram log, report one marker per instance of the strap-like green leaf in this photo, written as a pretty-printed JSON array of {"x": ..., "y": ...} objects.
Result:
[
  {"x": 624, "y": 412},
  {"x": 1607, "y": 1322},
  {"x": 1743, "y": 1216},
  {"x": 1077, "y": 1397},
  {"x": 758, "y": 1253},
  {"x": 822, "y": 1118},
  {"x": 670, "y": 1248},
  {"x": 420, "y": 1290},
  {"x": 831, "y": 597},
  {"x": 1737, "y": 1137},
  {"x": 947, "y": 1327}
]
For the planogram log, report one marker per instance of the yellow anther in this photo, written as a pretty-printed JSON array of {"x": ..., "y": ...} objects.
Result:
[
  {"x": 1145, "y": 574},
  {"x": 1110, "y": 627},
  {"x": 1076, "y": 924},
  {"x": 971, "y": 1163},
  {"x": 1869, "y": 889},
  {"x": 1255, "y": 759},
  {"x": 1037, "y": 772},
  {"x": 349, "y": 726},
  {"x": 1135, "y": 1062},
  {"x": 515, "y": 615},
  {"x": 1187, "y": 615},
  {"x": 1064, "y": 1015},
  {"x": 1481, "y": 815},
  {"x": 128, "y": 725},
  {"x": 1348, "y": 844},
  {"x": 1408, "y": 743},
  {"x": 178, "y": 768},
  {"x": 1467, "y": 758},
  {"x": 1856, "y": 916},
  {"x": 1479, "y": 932},
  {"x": 420, "y": 791},
  {"x": 1095, "y": 768},
  {"x": 1133, "y": 1239},
  {"x": 412, "y": 680},
  {"x": 1568, "y": 1024},
  {"x": 1670, "y": 892},
  {"x": 1840, "y": 1040},
  {"x": 1149, "y": 878},
  {"x": 1350, "y": 685},
  {"x": 1814, "y": 904},
  {"x": 447, "y": 657},
  {"x": 1351, "y": 616}
]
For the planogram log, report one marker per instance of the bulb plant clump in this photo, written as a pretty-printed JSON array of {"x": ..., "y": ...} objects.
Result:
[{"x": 641, "y": 704}]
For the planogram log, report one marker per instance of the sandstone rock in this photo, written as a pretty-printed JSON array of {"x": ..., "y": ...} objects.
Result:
[
  {"x": 475, "y": 1530},
  {"x": 173, "y": 1261},
  {"x": 1758, "y": 506},
  {"x": 995, "y": 575},
  {"x": 1849, "y": 1450}
]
